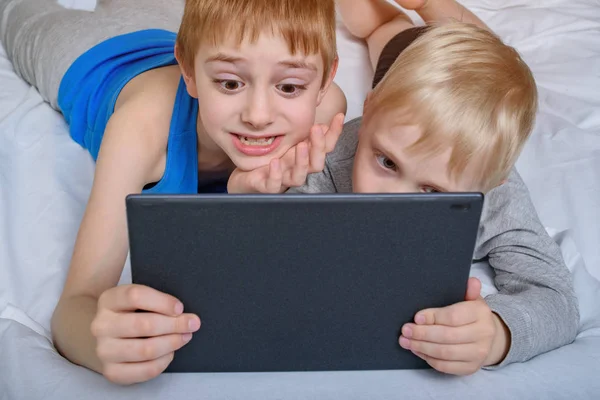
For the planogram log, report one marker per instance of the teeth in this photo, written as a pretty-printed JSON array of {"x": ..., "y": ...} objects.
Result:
[{"x": 257, "y": 141}]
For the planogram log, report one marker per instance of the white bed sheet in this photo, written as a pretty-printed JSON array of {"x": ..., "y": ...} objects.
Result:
[
  {"x": 45, "y": 179},
  {"x": 36, "y": 371}
]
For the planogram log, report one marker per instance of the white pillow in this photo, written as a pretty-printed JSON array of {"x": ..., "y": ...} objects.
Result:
[
  {"x": 88, "y": 5},
  {"x": 587, "y": 288}
]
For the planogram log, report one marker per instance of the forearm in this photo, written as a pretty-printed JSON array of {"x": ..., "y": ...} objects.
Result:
[
  {"x": 437, "y": 11},
  {"x": 71, "y": 332}
]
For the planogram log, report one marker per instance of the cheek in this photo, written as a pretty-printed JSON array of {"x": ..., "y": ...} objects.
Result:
[
  {"x": 300, "y": 113},
  {"x": 214, "y": 111},
  {"x": 365, "y": 182}
]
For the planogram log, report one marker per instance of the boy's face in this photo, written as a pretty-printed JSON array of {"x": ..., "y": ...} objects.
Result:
[
  {"x": 383, "y": 165},
  {"x": 256, "y": 100}
]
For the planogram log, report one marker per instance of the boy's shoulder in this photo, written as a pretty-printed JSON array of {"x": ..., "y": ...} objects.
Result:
[
  {"x": 341, "y": 160},
  {"x": 156, "y": 87},
  {"x": 509, "y": 220},
  {"x": 142, "y": 116},
  {"x": 147, "y": 102}
]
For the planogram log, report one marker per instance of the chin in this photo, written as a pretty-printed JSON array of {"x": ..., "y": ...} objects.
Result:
[{"x": 251, "y": 163}]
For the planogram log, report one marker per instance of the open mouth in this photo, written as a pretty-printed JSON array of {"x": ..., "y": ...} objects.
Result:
[
  {"x": 264, "y": 141},
  {"x": 256, "y": 146}
]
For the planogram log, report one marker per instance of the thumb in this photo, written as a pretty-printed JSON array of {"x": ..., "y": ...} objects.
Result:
[{"x": 473, "y": 289}]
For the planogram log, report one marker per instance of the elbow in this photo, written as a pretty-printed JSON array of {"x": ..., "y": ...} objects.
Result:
[
  {"x": 334, "y": 102},
  {"x": 56, "y": 324},
  {"x": 567, "y": 316},
  {"x": 64, "y": 318}
]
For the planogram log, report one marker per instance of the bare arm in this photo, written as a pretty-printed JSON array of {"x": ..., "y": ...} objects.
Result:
[
  {"x": 377, "y": 21},
  {"x": 332, "y": 104},
  {"x": 440, "y": 11},
  {"x": 363, "y": 17},
  {"x": 101, "y": 245},
  {"x": 95, "y": 324}
]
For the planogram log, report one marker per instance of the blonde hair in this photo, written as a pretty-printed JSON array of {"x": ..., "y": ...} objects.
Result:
[
  {"x": 464, "y": 87},
  {"x": 308, "y": 26}
]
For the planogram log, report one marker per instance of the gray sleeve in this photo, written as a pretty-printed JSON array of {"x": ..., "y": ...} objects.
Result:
[
  {"x": 535, "y": 298},
  {"x": 336, "y": 177},
  {"x": 319, "y": 182}
]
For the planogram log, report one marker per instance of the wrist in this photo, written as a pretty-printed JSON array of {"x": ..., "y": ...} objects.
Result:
[{"x": 500, "y": 344}]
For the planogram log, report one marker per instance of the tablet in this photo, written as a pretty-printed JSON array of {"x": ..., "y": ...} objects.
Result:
[{"x": 298, "y": 282}]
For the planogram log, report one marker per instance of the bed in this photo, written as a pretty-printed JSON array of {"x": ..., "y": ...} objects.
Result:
[{"x": 45, "y": 179}]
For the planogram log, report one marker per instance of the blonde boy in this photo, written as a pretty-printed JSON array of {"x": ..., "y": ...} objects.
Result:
[
  {"x": 451, "y": 109},
  {"x": 237, "y": 89}
]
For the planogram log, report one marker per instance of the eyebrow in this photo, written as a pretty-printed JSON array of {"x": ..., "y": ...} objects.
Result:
[
  {"x": 297, "y": 64},
  {"x": 294, "y": 64},
  {"x": 225, "y": 58}
]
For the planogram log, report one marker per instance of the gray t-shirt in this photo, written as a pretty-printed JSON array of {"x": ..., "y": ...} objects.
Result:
[{"x": 535, "y": 298}]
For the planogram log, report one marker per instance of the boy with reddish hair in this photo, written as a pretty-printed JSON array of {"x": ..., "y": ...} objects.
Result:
[{"x": 238, "y": 88}]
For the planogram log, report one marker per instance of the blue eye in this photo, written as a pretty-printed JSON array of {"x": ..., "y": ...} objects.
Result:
[{"x": 385, "y": 162}]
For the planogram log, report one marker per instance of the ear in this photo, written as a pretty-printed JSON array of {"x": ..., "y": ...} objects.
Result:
[
  {"x": 327, "y": 83},
  {"x": 188, "y": 76}
]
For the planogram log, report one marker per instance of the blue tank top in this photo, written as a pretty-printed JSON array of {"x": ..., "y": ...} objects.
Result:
[{"x": 90, "y": 87}]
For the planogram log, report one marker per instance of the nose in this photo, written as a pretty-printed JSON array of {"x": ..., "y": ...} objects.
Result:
[{"x": 258, "y": 111}]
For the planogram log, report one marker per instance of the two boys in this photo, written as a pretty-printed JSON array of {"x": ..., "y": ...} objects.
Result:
[{"x": 423, "y": 130}]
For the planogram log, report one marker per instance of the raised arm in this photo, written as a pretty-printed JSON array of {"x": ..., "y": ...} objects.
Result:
[
  {"x": 440, "y": 11},
  {"x": 378, "y": 21}
]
